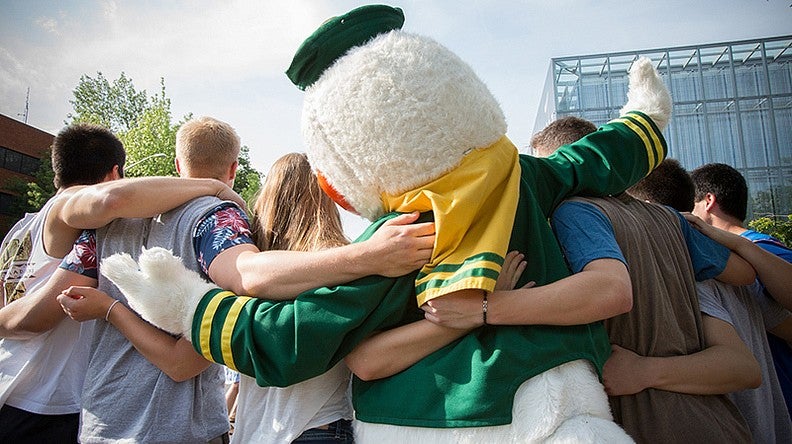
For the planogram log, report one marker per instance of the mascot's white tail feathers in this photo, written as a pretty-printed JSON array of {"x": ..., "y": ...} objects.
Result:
[
  {"x": 647, "y": 93},
  {"x": 162, "y": 290},
  {"x": 566, "y": 404}
]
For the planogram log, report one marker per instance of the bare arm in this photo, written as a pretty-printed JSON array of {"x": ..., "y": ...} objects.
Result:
[
  {"x": 774, "y": 272},
  {"x": 397, "y": 248},
  {"x": 738, "y": 272},
  {"x": 97, "y": 205},
  {"x": 39, "y": 310},
  {"x": 601, "y": 290},
  {"x": 726, "y": 365},
  {"x": 387, "y": 353},
  {"x": 58, "y": 236},
  {"x": 174, "y": 356}
]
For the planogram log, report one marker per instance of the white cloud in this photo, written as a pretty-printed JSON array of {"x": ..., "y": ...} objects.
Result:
[
  {"x": 227, "y": 58},
  {"x": 48, "y": 24}
]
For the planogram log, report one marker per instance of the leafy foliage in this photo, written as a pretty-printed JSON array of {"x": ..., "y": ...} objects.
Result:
[
  {"x": 248, "y": 179},
  {"x": 777, "y": 227},
  {"x": 151, "y": 143},
  {"x": 31, "y": 196},
  {"x": 116, "y": 106},
  {"x": 141, "y": 122}
]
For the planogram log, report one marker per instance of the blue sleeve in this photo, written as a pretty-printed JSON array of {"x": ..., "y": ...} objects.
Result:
[
  {"x": 82, "y": 257},
  {"x": 223, "y": 227},
  {"x": 770, "y": 244},
  {"x": 709, "y": 257},
  {"x": 585, "y": 235}
]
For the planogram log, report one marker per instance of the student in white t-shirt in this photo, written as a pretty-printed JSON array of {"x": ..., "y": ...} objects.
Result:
[{"x": 42, "y": 362}]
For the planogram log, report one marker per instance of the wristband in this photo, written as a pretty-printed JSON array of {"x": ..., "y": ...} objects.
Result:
[
  {"x": 107, "y": 316},
  {"x": 484, "y": 308}
]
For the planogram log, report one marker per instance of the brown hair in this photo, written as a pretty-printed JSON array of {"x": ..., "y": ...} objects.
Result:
[
  {"x": 668, "y": 184},
  {"x": 560, "y": 132},
  {"x": 292, "y": 213},
  {"x": 726, "y": 183}
]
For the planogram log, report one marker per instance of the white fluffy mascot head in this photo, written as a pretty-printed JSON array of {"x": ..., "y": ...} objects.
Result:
[{"x": 371, "y": 120}]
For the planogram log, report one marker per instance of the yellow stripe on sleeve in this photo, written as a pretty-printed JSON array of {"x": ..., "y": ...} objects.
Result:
[
  {"x": 228, "y": 330},
  {"x": 206, "y": 322},
  {"x": 650, "y": 153},
  {"x": 661, "y": 154}
]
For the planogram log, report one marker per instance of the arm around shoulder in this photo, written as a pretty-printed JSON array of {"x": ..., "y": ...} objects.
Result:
[
  {"x": 98, "y": 205},
  {"x": 725, "y": 365}
]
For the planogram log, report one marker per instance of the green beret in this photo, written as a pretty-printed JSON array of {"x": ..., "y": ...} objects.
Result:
[{"x": 338, "y": 35}]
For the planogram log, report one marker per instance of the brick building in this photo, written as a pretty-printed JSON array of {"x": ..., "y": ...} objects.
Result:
[{"x": 21, "y": 147}]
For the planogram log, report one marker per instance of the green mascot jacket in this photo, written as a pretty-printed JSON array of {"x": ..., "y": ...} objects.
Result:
[{"x": 472, "y": 381}]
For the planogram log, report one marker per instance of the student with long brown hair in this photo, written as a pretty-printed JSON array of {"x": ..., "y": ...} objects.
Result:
[{"x": 292, "y": 213}]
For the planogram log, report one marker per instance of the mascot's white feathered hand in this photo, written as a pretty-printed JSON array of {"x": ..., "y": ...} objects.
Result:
[
  {"x": 647, "y": 93},
  {"x": 162, "y": 290}
]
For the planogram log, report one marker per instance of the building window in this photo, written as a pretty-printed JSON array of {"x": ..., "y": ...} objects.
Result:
[
  {"x": 18, "y": 162},
  {"x": 6, "y": 200},
  {"x": 732, "y": 103}
]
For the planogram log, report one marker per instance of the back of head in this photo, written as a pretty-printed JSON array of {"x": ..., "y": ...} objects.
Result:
[
  {"x": 83, "y": 154},
  {"x": 669, "y": 184},
  {"x": 726, "y": 184},
  {"x": 292, "y": 212},
  {"x": 560, "y": 132},
  {"x": 207, "y": 147}
]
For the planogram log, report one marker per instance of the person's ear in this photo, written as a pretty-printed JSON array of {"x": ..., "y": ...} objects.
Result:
[
  {"x": 113, "y": 174},
  {"x": 710, "y": 200},
  {"x": 232, "y": 170}
]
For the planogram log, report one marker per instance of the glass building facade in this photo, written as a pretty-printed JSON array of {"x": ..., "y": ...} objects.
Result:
[{"x": 732, "y": 104}]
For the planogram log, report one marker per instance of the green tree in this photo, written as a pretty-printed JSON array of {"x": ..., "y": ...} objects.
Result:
[
  {"x": 151, "y": 143},
  {"x": 248, "y": 179},
  {"x": 30, "y": 196},
  {"x": 142, "y": 122},
  {"x": 117, "y": 106},
  {"x": 774, "y": 226}
]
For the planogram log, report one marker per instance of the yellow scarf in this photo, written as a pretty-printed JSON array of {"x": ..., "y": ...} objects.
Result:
[{"x": 474, "y": 207}]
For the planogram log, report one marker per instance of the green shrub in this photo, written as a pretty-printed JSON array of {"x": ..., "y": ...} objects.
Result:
[{"x": 777, "y": 227}]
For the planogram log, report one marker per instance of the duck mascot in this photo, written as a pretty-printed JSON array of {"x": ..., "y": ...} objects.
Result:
[{"x": 394, "y": 122}]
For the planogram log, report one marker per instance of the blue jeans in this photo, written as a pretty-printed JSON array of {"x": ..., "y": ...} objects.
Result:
[{"x": 339, "y": 431}]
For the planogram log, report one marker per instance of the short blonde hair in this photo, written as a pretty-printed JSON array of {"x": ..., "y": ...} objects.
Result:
[{"x": 207, "y": 146}]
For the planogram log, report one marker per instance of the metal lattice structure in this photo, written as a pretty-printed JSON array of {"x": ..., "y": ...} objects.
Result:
[{"x": 732, "y": 104}]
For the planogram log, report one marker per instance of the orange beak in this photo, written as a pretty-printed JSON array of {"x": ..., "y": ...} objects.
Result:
[{"x": 333, "y": 193}]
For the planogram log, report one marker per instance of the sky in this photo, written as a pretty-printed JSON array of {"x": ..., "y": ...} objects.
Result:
[{"x": 226, "y": 58}]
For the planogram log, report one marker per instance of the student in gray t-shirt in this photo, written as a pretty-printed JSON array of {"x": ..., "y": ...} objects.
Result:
[{"x": 751, "y": 312}]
